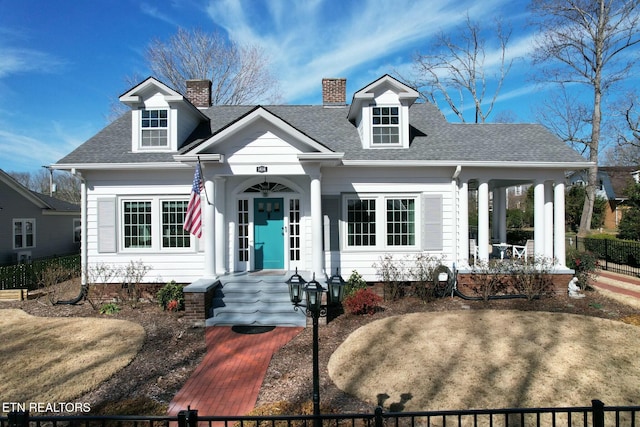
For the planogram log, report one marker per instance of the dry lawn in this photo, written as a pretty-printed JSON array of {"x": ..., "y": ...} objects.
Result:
[
  {"x": 489, "y": 359},
  {"x": 58, "y": 359}
]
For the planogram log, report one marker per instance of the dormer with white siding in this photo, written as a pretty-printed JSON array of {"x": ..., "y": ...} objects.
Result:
[
  {"x": 162, "y": 118},
  {"x": 380, "y": 111}
]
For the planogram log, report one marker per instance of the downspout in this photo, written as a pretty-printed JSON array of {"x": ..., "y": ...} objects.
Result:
[
  {"x": 83, "y": 241},
  {"x": 454, "y": 185}
]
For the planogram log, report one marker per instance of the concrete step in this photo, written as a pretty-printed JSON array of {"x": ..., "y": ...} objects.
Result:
[{"x": 254, "y": 300}]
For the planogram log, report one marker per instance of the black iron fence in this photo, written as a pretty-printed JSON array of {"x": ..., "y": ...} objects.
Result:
[
  {"x": 27, "y": 275},
  {"x": 619, "y": 256},
  {"x": 596, "y": 415}
]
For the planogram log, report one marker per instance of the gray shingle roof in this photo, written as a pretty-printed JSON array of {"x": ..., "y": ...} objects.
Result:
[{"x": 432, "y": 138}]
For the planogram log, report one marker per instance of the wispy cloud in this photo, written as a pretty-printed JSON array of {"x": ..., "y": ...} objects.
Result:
[
  {"x": 15, "y": 59},
  {"x": 306, "y": 41},
  {"x": 154, "y": 12}
]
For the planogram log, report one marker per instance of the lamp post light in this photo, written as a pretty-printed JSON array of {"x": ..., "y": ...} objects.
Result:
[{"x": 313, "y": 291}]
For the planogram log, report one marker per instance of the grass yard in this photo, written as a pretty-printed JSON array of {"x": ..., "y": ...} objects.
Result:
[
  {"x": 54, "y": 359},
  {"x": 489, "y": 359}
]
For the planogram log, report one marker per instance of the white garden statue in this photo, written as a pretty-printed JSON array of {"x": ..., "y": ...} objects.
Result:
[{"x": 574, "y": 289}]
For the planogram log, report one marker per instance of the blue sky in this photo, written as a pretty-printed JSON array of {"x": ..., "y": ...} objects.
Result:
[{"x": 63, "y": 62}]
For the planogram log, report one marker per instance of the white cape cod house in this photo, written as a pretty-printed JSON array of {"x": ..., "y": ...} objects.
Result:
[{"x": 310, "y": 187}]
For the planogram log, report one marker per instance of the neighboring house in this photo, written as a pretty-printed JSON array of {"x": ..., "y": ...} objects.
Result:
[
  {"x": 33, "y": 225},
  {"x": 612, "y": 184},
  {"x": 310, "y": 187}
]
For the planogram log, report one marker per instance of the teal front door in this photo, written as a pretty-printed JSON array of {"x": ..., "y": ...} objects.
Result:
[{"x": 268, "y": 234}]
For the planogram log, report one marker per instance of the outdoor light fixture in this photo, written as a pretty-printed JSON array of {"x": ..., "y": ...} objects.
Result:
[
  {"x": 336, "y": 288},
  {"x": 314, "y": 309},
  {"x": 296, "y": 284},
  {"x": 264, "y": 188}
]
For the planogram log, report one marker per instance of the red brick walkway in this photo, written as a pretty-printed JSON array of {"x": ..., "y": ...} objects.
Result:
[
  {"x": 228, "y": 379},
  {"x": 628, "y": 280}
]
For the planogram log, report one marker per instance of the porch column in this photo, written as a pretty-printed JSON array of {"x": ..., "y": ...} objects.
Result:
[
  {"x": 84, "y": 254},
  {"x": 317, "y": 254},
  {"x": 500, "y": 214},
  {"x": 483, "y": 220},
  {"x": 219, "y": 197},
  {"x": 209, "y": 232},
  {"x": 548, "y": 220},
  {"x": 538, "y": 218},
  {"x": 558, "y": 225},
  {"x": 463, "y": 223}
]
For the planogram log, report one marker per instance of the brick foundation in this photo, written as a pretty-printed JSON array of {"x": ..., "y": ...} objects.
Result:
[{"x": 198, "y": 300}]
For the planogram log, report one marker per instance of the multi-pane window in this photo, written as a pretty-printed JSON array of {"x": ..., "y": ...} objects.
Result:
[
  {"x": 137, "y": 224},
  {"x": 243, "y": 230},
  {"x": 173, "y": 235},
  {"x": 401, "y": 222},
  {"x": 154, "y": 127},
  {"x": 361, "y": 222},
  {"x": 386, "y": 125},
  {"x": 294, "y": 230},
  {"x": 24, "y": 232}
]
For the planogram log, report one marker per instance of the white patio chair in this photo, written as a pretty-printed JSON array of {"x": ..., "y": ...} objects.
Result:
[
  {"x": 473, "y": 250},
  {"x": 519, "y": 252}
]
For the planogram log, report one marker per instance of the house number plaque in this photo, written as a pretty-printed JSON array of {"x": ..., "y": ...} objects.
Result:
[{"x": 261, "y": 169}]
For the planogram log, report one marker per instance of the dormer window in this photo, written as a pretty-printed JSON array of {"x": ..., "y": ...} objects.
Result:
[
  {"x": 154, "y": 126},
  {"x": 386, "y": 125}
]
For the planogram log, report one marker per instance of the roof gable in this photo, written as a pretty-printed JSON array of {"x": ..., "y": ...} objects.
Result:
[
  {"x": 406, "y": 95},
  {"x": 260, "y": 120}
]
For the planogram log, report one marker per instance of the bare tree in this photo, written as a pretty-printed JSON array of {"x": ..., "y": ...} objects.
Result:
[
  {"x": 458, "y": 70},
  {"x": 586, "y": 42},
  {"x": 61, "y": 185},
  {"x": 239, "y": 74}
]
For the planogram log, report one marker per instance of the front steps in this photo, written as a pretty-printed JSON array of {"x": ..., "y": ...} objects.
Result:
[{"x": 254, "y": 299}]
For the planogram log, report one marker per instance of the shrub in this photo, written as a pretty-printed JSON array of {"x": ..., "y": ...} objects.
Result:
[
  {"x": 109, "y": 308},
  {"x": 393, "y": 274},
  {"x": 490, "y": 278},
  {"x": 171, "y": 296},
  {"x": 363, "y": 301},
  {"x": 585, "y": 264},
  {"x": 533, "y": 277},
  {"x": 423, "y": 273},
  {"x": 354, "y": 284}
]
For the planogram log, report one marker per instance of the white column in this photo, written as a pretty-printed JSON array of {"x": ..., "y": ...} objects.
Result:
[
  {"x": 208, "y": 230},
  {"x": 538, "y": 218},
  {"x": 317, "y": 254},
  {"x": 500, "y": 220},
  {"x": 463, "y": 223},
  {"x": 84, "y": 254},
  {"x": 548, "y": 220},
  {"x": 219, "y": 197},
  {"x": 495, "y": 215},
  {"x": 558, "y": 224},
  {"x": 483, "y": 220}
]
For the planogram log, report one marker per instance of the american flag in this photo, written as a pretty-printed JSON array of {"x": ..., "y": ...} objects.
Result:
[{"x": 193, "y": 217}]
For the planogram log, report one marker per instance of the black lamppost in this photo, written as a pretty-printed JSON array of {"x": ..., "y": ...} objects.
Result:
[{"x": 313, "y": 291}]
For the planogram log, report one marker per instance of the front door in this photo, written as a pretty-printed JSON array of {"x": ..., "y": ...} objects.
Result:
[{"x": 268, "y": 234}]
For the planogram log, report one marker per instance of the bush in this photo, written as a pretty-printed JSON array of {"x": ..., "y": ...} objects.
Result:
[
  {"x": 585, "y": 264},
  {"x": 490, "y": 278},
  {"x": 354, "y": 284},
  {"x": 393, "y": 274},
  {"x": 171, "y": 296},
  {"x": 533, "y": 277},
  {"x": 109, "y": 308},
  {"x": 363, "y": 301}
]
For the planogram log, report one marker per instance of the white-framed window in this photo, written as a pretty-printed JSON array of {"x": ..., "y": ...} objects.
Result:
[
  {"x": 385, "y": 122},
  {"x": 294, "y": 230},
  {"x": 243, "y": 230},
  {"x": 173, "y": 235},
  {"x": 154, "y": 128},
  {"x": 401, "y": 222},
  {"x": 137, "y": 224},
  {"x": 361, "y": 222},
  {"x": 153, "y": 224},
  {"x": 24, "y": 233}
]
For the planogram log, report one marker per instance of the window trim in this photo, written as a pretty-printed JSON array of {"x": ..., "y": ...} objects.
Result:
[
  {"x": 381, "y": 222},
  {"x": 142, "y": 129},
  {"x": 23, "y": 234},
  {"x": 373, "y": 126},
  {"x": 157, "y": 244}
]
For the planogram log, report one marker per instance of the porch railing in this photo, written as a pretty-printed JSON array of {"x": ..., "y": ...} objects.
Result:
[{"x": 596, "y": 415}]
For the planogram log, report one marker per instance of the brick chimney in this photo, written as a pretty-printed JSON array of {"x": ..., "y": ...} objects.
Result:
[
  {"x": 334, "y": 92},
  {"x": 199, "y": 92}
]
